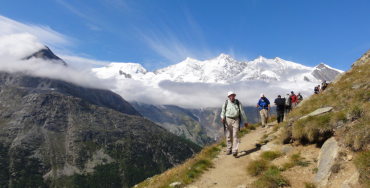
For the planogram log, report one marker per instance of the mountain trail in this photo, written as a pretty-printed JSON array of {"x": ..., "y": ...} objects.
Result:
[{"x": 229, "y": 171}]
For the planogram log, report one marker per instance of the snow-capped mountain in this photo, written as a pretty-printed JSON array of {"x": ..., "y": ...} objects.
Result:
[{"x": 222, "y": 69}]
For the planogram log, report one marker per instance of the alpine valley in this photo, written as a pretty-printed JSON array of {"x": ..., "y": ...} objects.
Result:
[{"x": 57, "y": 134}]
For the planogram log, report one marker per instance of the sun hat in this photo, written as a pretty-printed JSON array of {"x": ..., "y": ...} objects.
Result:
[
  {"x": 230, "y": 93},
  {"x": 262, "y": 95}
]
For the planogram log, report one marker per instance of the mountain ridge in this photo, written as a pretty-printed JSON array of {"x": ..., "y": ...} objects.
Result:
[{"x": 221, "y": 69}]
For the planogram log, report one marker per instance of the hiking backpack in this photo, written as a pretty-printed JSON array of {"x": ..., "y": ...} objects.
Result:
[
  {"x": 280, "y": 102},
  {"x": 240, "y": 115},
  {"x": 288, "y": 101}
]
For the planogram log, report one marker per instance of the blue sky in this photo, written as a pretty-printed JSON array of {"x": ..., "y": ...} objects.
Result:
[{"x": 164, "y": 32}]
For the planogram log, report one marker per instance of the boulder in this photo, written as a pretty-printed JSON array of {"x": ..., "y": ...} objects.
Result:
[
  {"x": 328, "y": 153},
  {"x": 286, "y": 149},
  {"x": 318, "y": 112},
  {"x": 267, "y": 147}
]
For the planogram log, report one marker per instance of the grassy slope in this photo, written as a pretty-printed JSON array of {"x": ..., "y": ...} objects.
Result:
[{"x": 348, "y": 121}]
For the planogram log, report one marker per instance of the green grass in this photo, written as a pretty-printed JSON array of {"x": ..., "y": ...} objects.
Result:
[
  {"x": 272, "y": 178},
  {"x": 256, "y": 168},
  {"x": 309, "y": 185},
  {"x": 295, "y": 160},
  {"x": 315, "y": 170},
  {"x": 270, "y": 155}
]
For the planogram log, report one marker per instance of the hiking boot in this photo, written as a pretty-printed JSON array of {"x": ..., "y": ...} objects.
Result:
[
  {"x": 228, "y": 153},
  {"x": 263, "y": 126},
  {"x": 235, "y": 154}
]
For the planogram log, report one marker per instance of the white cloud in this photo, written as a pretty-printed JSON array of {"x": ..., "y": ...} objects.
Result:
[
  {"x": 75, "y": 60},
  {"x": 44, "y": 34},
  {"x": 15, "y": 47},
  {"x": 93, "y": 27},
  {"x": 200, "y": 95}
]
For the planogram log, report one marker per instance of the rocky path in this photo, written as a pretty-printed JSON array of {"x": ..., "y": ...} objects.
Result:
[{"x": 229, "y": 171}]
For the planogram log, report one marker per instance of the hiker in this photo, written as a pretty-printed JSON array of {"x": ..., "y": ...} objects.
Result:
[
  {"x": 317, "y": 89},
  {"x": 299, "y": 98},
  {"x": 232, "y": 112},
  {"x": 264, "y": 106},
  {"x": 280, "y": 106},
  {"x": 294, "y": 100},
  {"x": 288, "y": 103},
  {"x": 324, "y": 85}
]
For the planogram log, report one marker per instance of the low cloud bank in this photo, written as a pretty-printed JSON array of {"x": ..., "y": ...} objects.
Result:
[
  {"x": 15, "y": 47},
  {"x": 201, "y": 95}
]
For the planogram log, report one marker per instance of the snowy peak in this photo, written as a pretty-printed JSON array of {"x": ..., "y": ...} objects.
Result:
[{"x": 222, "y": 69}]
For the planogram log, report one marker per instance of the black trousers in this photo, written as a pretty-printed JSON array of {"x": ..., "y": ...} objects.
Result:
[{"x": 280, "y": 115}]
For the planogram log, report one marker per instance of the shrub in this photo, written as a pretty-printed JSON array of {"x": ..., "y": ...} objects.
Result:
[
  {"x": 270, "y": 155},
  {"x": 256, "y": 168},
  {"x": 335, "y": 168},
  {"x": 252, "y": 127}
]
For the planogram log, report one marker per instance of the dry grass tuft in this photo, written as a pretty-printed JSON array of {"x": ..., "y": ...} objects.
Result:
[
  {"x": 271, "y": 178},
  {"x": 256, "y": 168},
  {"x": 309, "y": 185},
  {"x": 270, "y": 155},
  {"x": 362, "y": 162}
]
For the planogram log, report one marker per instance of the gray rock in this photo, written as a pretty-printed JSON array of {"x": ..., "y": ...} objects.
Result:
[
  {"x": 286, "y": 149},
  {"x": 175, "y": 184},
  {"x": 318, "y": 112},
  {"x": 364, "y": 59},
  {"x": 241, "y": 186},
  {"x": 267, "y": 147},
  {"x": 328, "y": 153}
]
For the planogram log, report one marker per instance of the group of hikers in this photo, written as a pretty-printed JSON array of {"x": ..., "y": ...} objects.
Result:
[
  {"x": 318, "y": 90},
  {"x": 232, "y": 113}
]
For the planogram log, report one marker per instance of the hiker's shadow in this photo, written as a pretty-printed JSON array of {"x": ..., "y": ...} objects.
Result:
[{"x": 247, "y": 152}]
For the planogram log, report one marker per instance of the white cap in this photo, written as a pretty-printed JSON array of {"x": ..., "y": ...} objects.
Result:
[
  {"x": 230, "y": 93},
  {"x": 262, "y": 95}
]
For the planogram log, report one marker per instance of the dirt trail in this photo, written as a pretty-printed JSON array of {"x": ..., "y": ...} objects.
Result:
[{"x": 229, "y": 171}]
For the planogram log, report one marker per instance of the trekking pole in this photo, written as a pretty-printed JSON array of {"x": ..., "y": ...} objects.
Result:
[
  {"x": 258, "y": 117},
  {"x": 270, "y": 112}
]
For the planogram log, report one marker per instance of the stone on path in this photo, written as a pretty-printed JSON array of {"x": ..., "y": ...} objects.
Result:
[
  {"x": 328, "y": 153},
  {"x": 286, "y": 149},
  {"x": 175, "y": 184},
  {"x": 241, "y": 186},
  {"x": 318, "y": 112}
]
